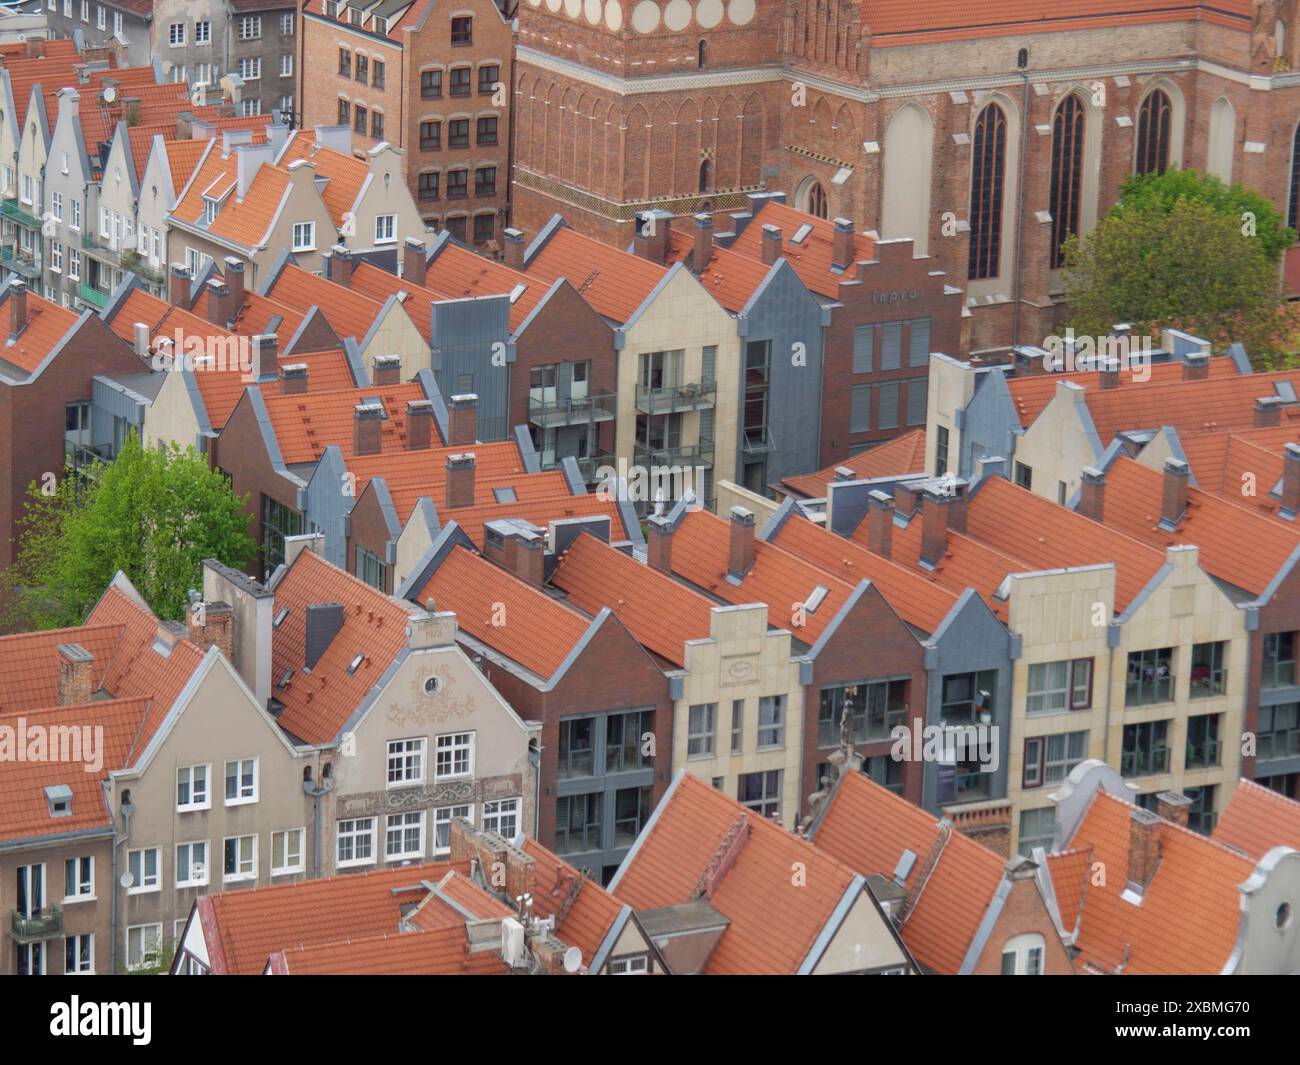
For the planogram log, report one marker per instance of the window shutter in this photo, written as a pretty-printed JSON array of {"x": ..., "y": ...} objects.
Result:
[
  {"x": 916, "y": 400},
  {"x": 887, "y": 414},
  {"x": 860, "y": 416},
  {"x": 918, "y": 351},
  {"x": 864, "y": 348},
  {"x": 891, "y": 345}
]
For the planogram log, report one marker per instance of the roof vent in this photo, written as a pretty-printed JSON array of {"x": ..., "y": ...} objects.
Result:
[
  {"x": 59, "y": 799},
  {"x": 815, "y": 598},
  {"x": 355, "y": 664},
  {"x": 281, "y": 614},
  {"x": 903, "y": 869}
]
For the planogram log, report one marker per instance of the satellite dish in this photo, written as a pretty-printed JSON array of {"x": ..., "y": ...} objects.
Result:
[
  {"x": 572, "y": 960},
  {"x": 126, "y": 879},
  {"x": 110, "y": 92}
]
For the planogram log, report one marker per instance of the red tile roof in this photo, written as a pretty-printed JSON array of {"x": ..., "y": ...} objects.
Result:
[
  {"x": 47, "y": 325},
  {"x": 732, "y": 278},
  {"x": 344, "y": 175},
  {"x": 459, "y": 272},
  {"x": 417, "y": 300},
  {"x": 1257, "y": 819},
  {"x": 305, "y": 424},
  {"x": 29, "y": 663},
  {"x": 616, "y": 283},
  {"x": 440, "y": 952},
  {"x": 349, "y": 311},
  {"x": 1234, "y": 465},
  {"x": 774, "y": 922},
  {"x": 256, "y": 314},
  {"x": 812, "y": 258},
  {"x": 905, "y": 454},
  {"x": 592, "y": 913},
  {"x": 540, "y": 512}
]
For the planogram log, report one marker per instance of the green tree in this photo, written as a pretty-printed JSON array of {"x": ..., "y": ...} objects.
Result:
[
  {"x": 1189, "y": 262},
  {"x": 153, "y": 512}
]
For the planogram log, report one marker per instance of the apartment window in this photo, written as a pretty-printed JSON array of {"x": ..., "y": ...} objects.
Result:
[
  {"x": 428, "y": 186},
  {"x": 79, "y": 879},
  {"x": 117, "y": 22},
  {"x": 241, "y": 858},
  {"x": 250, "y": 69},
  {"x": 577, "y": 823},
  {"x": 455, "y": 224},
  {"x": 1024, "y": 476},
  {"x": 502, "y": 817},
  {"x": 79, "y": 951},
  {"x": 761, "y": 792},
  {"x": 143, "y": 943},
  {"x": 632, "y": 807},
  {"x": 286, "y": 24},
  {"x": 404, "y": 835},
  {"x": 377, "y": 74},
  {"x": 345, "y": 113},
  {"x": 74, "y": 264},
  {"x": 1209, "y": 673},
  {"x": 192, "y": 788},
  {"x": 1049, "y": 759},
  {"x": 462, "y": 30},
  {"x": 1146, "y": 749},
  {"x": 442, "y": 818},
  {"x": 1150, "y": 677},
  {"x": 700, "y": 728},
  {"x": 486, "y": 134},
  {"x": 461, "y": 81},
  {"x": 143, "y": 865},
  {"x": 484, "y": 228},
  {"x": 430, "y": 84},
  {"x": 101, "y": 21},
  {"x": 488, "y": 76},
  {"x": 965, "y": 695},
  {"x": 405, "y": 762},
  {"x": 377, "y": 124},
  {"x": 860, "y": 409},
  {"x": 485, "y": 181},
  {"x": 176, "y": 34},
  {"x": 241, "y": 781},
  {"x": 1279, "y": 660},
  {"x": 56, "y": 206},
  {"x": 371, "y": 570},
  {"x": 1279, "y": 731},
  {"x": 203, "y": 32},
  {"x": 286, "y": 66},
  {"x": 457, "y": 186},
  {"x": 74, "y": 217},
  {"x": 454, "y": 756},
  {"x": 192, "y": 864},
  {"x": 250, "y": 27},
  {"x": 1023, "y": 955},
  {"x": 430, "y": 136},
  {"x": 1057, "y": 686},
  {"x": 28, "y": 189},
  {"x": 359, "y": 114},
  {"x": 1037, "y": 829},
  {"x": 737, "y": 725},
  {"x": 623, "y": 741},
  {"x": 1200, "y": 815},
  {"x": 56, "y": 257},
  {"x": 304, "y": 236},
  {"x": 345, "y": 63},
  {"x": 638, "y": 965},
  {"x": 362, "y": 69},
  {"x": 458, "y": 133},
  {"x": 286, "y": 851},
  {"x": 577, "y": 751},
  {"x": 771, "y": 721},
  {"x": 887, "y": 405},
  {"x": 873, "y": 711},
  {"x": 85, "y": 10},
  {"x": 1203, "y": 747},
  {"x": 356, "y": 842}
]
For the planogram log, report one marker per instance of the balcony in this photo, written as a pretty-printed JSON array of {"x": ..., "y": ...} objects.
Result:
[
  {"x": 1138, "y": 763},
  {"x": 41, "y": 925},
  {"x": 78, "y": 455},
  {"x": 1149, "y": 689},
  {"x": 700, "y": 454},
  {"x": 757, "y": 441},
  {"x": 588, "y": 466},
  {"x": 1202, "y": 755},
  {"x": 11, "y": 208},
  {"x": 105, "y": 248},
  {"x": 673, "y": 399},
  {"x": 134, "y": 262},
  {"x": 597, "y": 407},
  {"x": 92, "y": 295},
  {"x": 24, "y": 263}
]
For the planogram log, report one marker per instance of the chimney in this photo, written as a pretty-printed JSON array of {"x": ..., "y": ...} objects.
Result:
[
  {"x": 1196, "y": 366},
  {"x": 419, "y": 424},
  {"x": 1268, "y": 412},
  {"x": 462, "y": 420},
  {"x": 1173, "y": 502},
  {"x": 141, "y": 333},
  {"x": 1291, "y": 478},
  {"x": 386, "y": 370},
  {"x": 530, "y": 559},
  {"x": 413, "y": 260},
  {"x": 1092, "y": 494},
  {"x": 76, "y": 674},
  {"x": 34, "y": 47},
  {"x": 494, "y": 853},
  {"x": 266, "y": 356},
  {"x": 218, "y": 295},
  {"x": 1173, "y": 806},
  {"x": 248, "y": 161},
  {"x": 293, "y": 379},
  {"x": 460, "y": 480},
  {"x": 659, "y": 543},
  {"x": 771, "y": 243},
  {"x": 338, "y": 265},
  {"x": 178, "y": 285},
  {"x": 367, "y": 428},
  {"x": 17, "y": 308},
  {"x": 842, "y": 247},
  {"x": 934, "y": 526},
  {"x": 235, "y": 283},
  {"x": 880, "y": 523},
  {"x": 1109, "y": 370},
  {"x": 741, "y": 555},
  {"x": 211, "y": 625},
  {"x": 515, "y": 247},
  {"x": 703, "y": 242},
  {"x": 653, "y": 235},
  {"x": 1143, "y": 848},
  {"x": 906, "y": 499}
]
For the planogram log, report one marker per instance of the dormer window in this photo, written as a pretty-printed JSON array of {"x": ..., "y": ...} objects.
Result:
[
  {"x": 210, "y": 209},
  {"x": 58, "y": 797},
  {"x": 380, "y": 24}
]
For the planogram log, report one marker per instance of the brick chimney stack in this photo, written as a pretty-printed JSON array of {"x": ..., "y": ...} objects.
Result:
[
  {"x": 703, "y": 250},
  {"x": 741, "y": 556},
  {"x": 460, "y": 480},
  {"x": 293, "y": 379},
  {"x": 1092, "y": 493},
  {"x": 1173, "y": 806},
  {"x": 1173, "y": 500},
  {"x": 462, "y": 420},
  {"x": 212, "y": 625},
  {"x": 235, "y": 283},
  {"x": 653, "y": 235},
  {"x": 266, "y": 353},
  {"x": 880, "y": 523},
  {"x": 1143, "y": 848},
  {"x": 1196, "y": 366},
  {"x": 1268, "y": 412},
  {"x": 178, "y": 285},
  {"x": 515, "y": 246},
  {"x": 386, "y": 370},
  {"x": 367, "y": 428},
  {"x": 76, "y": 674},
  {"x": 842, "y": 244},
  {"x": 218, "y": 298},
  {"x": 934, "y": 526},
  {"x": 339, "y": 265},
  {"x": 413, "y": 260},
  {"x": 17, "y": 308},
  {"x": 419, "y": 424},
  {"x": 771, "y": 243},
  {"x": 659, "y": 543}
]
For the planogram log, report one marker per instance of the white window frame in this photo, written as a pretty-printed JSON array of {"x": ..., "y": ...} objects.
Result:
[
  {"x": 1024, "y": 947},
  {"x": 287, "y": 24},
  {"x": 240, "y": 799},
  {"x": 85, "y": 11},
  {"x": 300, "y": 834},
  {"x": 176, "y": 35},
  {"x": 188, "y": 772},
  {"x": 639, "y": 965},
  {"x": 254, "y": 64},
  {"x": 455, "y": 742},
  {"x": 308, "y": 244},
  {"x": 401, "y": 824},
  {"x": 442, "y": 815},
  {"x": 203, "y": 31},
  {"x": 28, "y": 189},
  {"x": 117, "y": 22},
  {"x": 252, "y": 23},
  {"x": 87, "y": 895},
  {"x": 391, "y": 227},
  {"x": 90, "y": 969},
  {"x": 141, "y": 885},
  {"x": 355, "y": 833},
  {"x": 188, "y": 881},
  {"x": 403, "y": 753},
  {"x": 239, "y": 875},
  {"x": 144, "y": 961},
  {"x": 101, "y": 17},
  {"x": 497, "y": 810},
  {"x": 74, "y": 264},
  {"x": 56, "y": 257},
  {"x": 74, "y": 214},
  {"x": 286, "y": 65},
  {"x": 56, "y": 206}
]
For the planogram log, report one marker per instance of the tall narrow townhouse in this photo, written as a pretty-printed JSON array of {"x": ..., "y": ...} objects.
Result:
[
  {"x": 126, "y": 25},
  {"x": 678, "y": 352},
  {"x": 261, "y": 48}
]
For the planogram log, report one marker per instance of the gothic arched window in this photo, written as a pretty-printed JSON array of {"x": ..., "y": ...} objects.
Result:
[
  {"x": 1067, "y": 174},
  {"x": 987, "y": 166},
  {"x": 1293, "y": 202},
  {"x": 1154, "y": 118},
  {"x": 817, "y": 200}
]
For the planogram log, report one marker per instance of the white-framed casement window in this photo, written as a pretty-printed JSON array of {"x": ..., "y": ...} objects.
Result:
[
  {"x": 144, "y": 866},
  {"x": 79, "y": 955},
  {"x": 74, "y": 264},
  {"x": 286, "y": 24},
  {"x": 56, "y": 257},
  {"x": 385, "y": 228},
  {"x": 192, "y": 788},
  {"x": 105, "y": 223},
  {"x": 406, "y": 762},
  {"x": 176, "y": 34},
  {"x": 249, "y": 108},
  {"x": 117, "y": 22},
  {"x": 286, "y": 851},
  {"x": 85, "y": 10},
  {"x": 286, "y": 66},
  {"x": 356, "y": 842},
  {"x": 210, "y": 209},
  {"x": 404, "y": 835},
  {"x": 1023, "y": 955},
  {"x": 304, "y": 236},
  {"x": 74, "y": 214},
  {"x": 29, "y": 187},
  {"x": 442, "y": 825},
  {"x": 7, "y": 175},
  {"x": 143, "y": 942},
  {"x": 79, "y": 880},
  {"x": 637, "y": 965},
  {"x": 502, "y": 817},
  {"x": 203, "y": 32},
  {"x": 250, "y": 27},
  {"x": 241, "y": 781},
  {"x": 250, "y": 69},
  {"x": 192, "y": 864},
  {"x": 240, "y": 859},
  {"x": 67, "y": 8},
  {"x": 455, "y": 756},
  {"x": 56, "y": 206},
  {"x": 101, "y": 20}
]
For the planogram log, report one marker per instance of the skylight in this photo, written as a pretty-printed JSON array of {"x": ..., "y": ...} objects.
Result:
[
  {"x": 815, "y": 598},
  {"x": 279, "y": 617},
  {"x": 505, "y": 495},
  {"x": 801, "y": 234},
  {"x": 517, "y": 291},
  {"x": 355, "y": 664}
]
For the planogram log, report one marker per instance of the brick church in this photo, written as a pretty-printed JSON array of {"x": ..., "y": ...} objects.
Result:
[{"x": 988, "y": 132}]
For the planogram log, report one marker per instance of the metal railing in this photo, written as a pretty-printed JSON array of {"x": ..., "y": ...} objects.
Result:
[
  {"x": 757, "y": 443},
  {"x": 673, "y": 398},
  {"x": 700, "y": 454},
  {"x": 43, "y": 924},
  {"x": 596, "y": 407},
  {"x": 92, "y": 295}
]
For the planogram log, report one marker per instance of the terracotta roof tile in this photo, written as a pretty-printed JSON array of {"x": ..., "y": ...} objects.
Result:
[
  {"x": 813, "y": 256},
  {"x": 345, "y": 174},
  {"x": 1233, "y": 464},
  {"x": 29, "y": 663},
  {"x": 730, "y": 277},
  {"x": 1070, "y": 871},
  {"x": 47, "y": 325},
  {"x": 349, "y": 311},
  {"x": 1258, "y": 819},
  {"x": 614, "y": 282},
  {"x": 417, "y": 300},
  {"x": 459, "y": 272},
  {"x": 904, "y": 454},
  {"x": 593, "y": 912},
  {"x": 307, "y": 423},
  {"x": 540, "y": 512},
  {"x": 441, "y": 952}
]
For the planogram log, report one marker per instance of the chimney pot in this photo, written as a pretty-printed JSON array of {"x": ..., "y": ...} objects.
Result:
[
  {"x": 141, "y": 333},
  {"x": 741, "y": 556},
  {"x": 386, "y": 369}
]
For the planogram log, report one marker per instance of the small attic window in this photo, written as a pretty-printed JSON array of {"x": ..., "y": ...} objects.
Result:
[
  {"x": 381, "y": 24},
  {"x": 285, "y": 677},
  {"x": 59, "y": 799},
  {"x": 815, "y": 598},
  {"x": 517, "y": 291},
  {"x": 904, "y": 867},
  {"x": 505, "y": 495},
  {"x": 801, "y": 234},
  {"x": 279, "y": 617},
  {"x": 210, "y": 209},
  {"x": 355, "y": 664}
]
